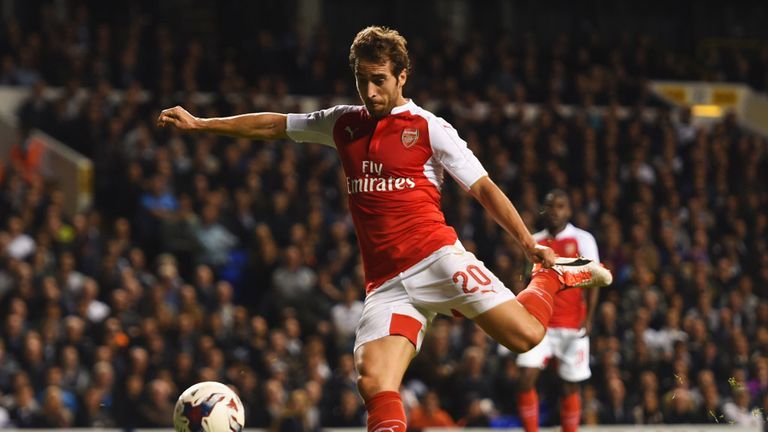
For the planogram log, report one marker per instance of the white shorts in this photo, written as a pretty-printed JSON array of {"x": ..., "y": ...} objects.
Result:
[
  {"x": 451, "y": 281},
  {"x": 569, "y": 346}
]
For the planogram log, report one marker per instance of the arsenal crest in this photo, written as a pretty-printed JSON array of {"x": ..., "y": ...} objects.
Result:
[{"x": 409, "y": 137}]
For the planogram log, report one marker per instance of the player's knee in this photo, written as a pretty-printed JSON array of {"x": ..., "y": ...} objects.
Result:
[
  {"x": 528, "y": 337},
  {"x": 570, "y": 388},
  {"x": 536, "y": 335},
  {"x": 368, "y": 385},
  {"x": 524, "y": 386},
  {"x": 527, "y": 380}
]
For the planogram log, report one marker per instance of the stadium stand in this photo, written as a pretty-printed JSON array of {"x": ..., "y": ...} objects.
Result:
[{"x": 221, "y": 259}]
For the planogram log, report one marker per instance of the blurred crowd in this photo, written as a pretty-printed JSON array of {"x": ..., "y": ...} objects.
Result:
[{"x": 208, "y": 258}]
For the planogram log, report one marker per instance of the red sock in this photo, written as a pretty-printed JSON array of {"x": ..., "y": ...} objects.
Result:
[
  {"x": 528, "y": 408},
  {"x": 570, "y": 412},
  {"x": 538, "y": 297},
  {"x": 386, "y": 412}
]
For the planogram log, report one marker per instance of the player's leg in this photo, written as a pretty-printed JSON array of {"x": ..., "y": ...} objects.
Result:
[
  {"x": 381, "y": 364},
  {"x": 570, "y": 406},
  {"x": 390, "y": 332},
  {"x": 573, "y": 368},
  {"x": 520, "y": 323},
  {"x": 512, "y": 325},
  {"x": 528, "y": 399},
  {"x": 531, "y": 363}
]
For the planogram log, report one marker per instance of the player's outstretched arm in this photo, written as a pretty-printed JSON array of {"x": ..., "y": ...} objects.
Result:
[
  {"x": 255, "y": 126},
  {"x": 505, "y": 214}
]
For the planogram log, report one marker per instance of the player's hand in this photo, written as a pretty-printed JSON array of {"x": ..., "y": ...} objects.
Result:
[
  {"x": 542, "y": 254},
  {"x": 586, "y": 328},
  {"x": 179, "y": 118}
]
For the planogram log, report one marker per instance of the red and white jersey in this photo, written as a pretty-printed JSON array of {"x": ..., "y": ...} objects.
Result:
[
  {"x": 570, "y": 308},
  {"x": 394, "y": 168}
]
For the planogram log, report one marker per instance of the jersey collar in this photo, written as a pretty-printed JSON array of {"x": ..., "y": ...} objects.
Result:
[
  {"x": 564, "y": 233},
  {"x": 408, "y": 106}
]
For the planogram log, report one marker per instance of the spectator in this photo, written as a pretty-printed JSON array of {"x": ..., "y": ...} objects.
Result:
[
  {"x": 103, "y": 380},
  {"x": 10, "y": 367},
  {"x": 739, "y": 410},
  {"x": 348, "y": 413},
  {"x": 343, "y": 378},
  {"x": 179, "y": 233},
  {"x": 592, "y": 408},
  {"x": 314, "y": 389},
  {"x": 345, "y": 316},
  {"x": 293, "y": 281},
  {"x": 20, "y": 245},
  {"x": 75, "y": 377},
  {"x": 759, "y": 384},
  {"x": 5, "y": 418},
  {"x": 53, "y": 379},
  {"x": 677, "y": 205},
  {"x": 216, "y": 241},
  {"x": 93, "y": 414},
  {"x": 430, "y": 414},
  {"x": 53, "y": 413},
  {"x": 37, "y": 111},
  {"x": 679, "y": 407},
  {"x": 156, "y": 409},
  {"x": 471, "y": 379},
  {"x": 24, "y": 408},
  {"x": 649, "y": 412},
  {"x": 274, "y": 401},
  {"x": 132, "y": 400},
  {"x": 95, "y": 310},
  {"x": 711, "y": 407},
  {"x": 615, "y": 410},
  {"x": 294, "y": 417},
  {"x": 479, "y": 414},
  {"x": 33, "y": 358}
]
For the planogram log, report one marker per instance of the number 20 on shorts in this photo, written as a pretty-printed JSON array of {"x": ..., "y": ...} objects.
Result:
[{"x": 474, "y": 272}]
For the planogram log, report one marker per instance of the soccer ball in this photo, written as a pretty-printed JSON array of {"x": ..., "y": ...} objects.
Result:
[{"x": 208, "y": 407}]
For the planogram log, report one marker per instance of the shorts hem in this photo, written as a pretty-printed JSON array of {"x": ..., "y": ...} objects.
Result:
[
  {"x": 372, "y": 338},
  {"x": 576, "y": 379},
  {"x": 485, "y": 305},
  {"x": 530, "y": 366}
]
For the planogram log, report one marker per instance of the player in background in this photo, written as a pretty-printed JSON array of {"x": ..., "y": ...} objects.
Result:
[
  {"x": 567, "y": 337},
  {"x": 394, "y": 155}
]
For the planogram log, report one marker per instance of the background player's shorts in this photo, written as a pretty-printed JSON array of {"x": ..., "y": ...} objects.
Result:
[
  {"x": 569, "y": 346},
  {"x": 451, "y": 282}
]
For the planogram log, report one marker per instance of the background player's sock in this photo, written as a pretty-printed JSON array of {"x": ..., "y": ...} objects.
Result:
[
  {"x": 385, "y": 410},
  {"x": 528, "y": 408},
  {"x": 539, "y": 295},
  {"x": 570, "y": 412}
]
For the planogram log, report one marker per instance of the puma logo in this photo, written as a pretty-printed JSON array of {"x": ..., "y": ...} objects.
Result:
[
  {"x": 390, "y": 426},
  {"x": 350, "y": 131}
]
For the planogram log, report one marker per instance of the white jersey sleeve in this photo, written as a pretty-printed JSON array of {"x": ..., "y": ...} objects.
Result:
[
  {"x": 315, "y": 127},
  {"x": 540, "y": 235},
  {"x": 453, "y": 154},
  {"x": 587, "y": 245}
]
